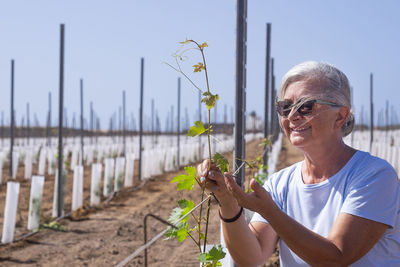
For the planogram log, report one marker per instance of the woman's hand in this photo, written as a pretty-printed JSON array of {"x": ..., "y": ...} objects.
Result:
[
  {"x": 214, "y": 181},
  {"x": 259, "y": 200},
  {"x": 229, "y": 192}
]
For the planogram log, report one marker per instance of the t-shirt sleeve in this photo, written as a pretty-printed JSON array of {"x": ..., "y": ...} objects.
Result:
[{"x": 374, "y": 194}]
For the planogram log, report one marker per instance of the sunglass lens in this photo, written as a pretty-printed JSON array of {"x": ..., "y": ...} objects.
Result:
[
  {"x": 283, "y": 108},
  {"x": 306, "y": 108}
]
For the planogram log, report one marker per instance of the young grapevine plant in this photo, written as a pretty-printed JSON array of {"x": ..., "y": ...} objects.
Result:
[
  {"x": 196, "y": 228},
  {"x": 257, "y": 167}
]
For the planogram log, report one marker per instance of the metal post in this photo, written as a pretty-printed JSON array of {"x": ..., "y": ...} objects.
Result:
[
  {"x": 65, "y": 123},
  {"x": 119, "y": 119},
  {"x": 352, "y": 104},
  {"x": 241, "y": 26},
  {"x": 275, "y": 115},
  {"x": 272, "y": 111},
  {"x": 232, "y": 120},
  {"x": 387, "y": 120},
  {"x": 81, "y": 91},
  {"x": 60, "y": 200},
  {"x": 152, "y": 121},
  {"x": 91, "y": 122},
  {"x": 267, "y": 83},
  {"x": 167, "y": 123},
  {"x": 2, "y": 128},
  {"x": 172, "y": 119},
  {"x": 12, "y": 119},
  {"x": 215, "y": 127},
  {"x": 73, "y": 121},
  {"x": 123, "y": 122},
  {"x": 28, "y": 132},
  {"x": 274, "y": 119},
  {"x": 225, "y": 118},
  {"x": 48, "y": 130},
  {"x": 97, "y": 129},
  {"x": 141, "y": 117},
  {"x": 371, "y": 84},
  {"x": 362, "y": 118},
  {"x": 178, "y": 130}
]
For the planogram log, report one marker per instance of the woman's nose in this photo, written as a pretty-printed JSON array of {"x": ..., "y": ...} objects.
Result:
[{"x": 294, "y": 114}]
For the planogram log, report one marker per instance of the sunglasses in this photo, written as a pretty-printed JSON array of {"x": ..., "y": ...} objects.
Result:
[{"x": 302, "y": 106}]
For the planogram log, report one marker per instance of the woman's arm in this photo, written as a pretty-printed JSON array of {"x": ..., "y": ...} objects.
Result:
[
  {"x": 351, "y": 237},
  {"x": 249, "y": 245}
]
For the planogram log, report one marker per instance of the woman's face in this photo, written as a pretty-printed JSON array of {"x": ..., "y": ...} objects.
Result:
[{"x": 315, "y": 129}]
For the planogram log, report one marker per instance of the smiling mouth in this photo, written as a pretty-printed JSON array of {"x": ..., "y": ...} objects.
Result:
[{"x": 302, "y": 129}]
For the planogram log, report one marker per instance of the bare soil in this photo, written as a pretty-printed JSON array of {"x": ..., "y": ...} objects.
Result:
[{"x": 106, "y": 234}]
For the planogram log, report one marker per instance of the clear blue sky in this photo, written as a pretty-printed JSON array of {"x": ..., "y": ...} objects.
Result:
[{"x": 106, "y": 39}]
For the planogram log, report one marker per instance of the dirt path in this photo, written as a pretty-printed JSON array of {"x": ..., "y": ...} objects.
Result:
[{"x": 105, "y": 235}]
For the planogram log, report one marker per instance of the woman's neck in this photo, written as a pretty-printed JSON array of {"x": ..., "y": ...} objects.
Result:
[{"x": 324, "y": 161}]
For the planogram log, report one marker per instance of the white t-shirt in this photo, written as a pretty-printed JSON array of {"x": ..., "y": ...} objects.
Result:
[{"x": 366, "y": 186}]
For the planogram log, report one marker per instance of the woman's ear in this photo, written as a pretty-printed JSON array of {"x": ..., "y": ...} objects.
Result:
[{"x": 342, "y": 115}]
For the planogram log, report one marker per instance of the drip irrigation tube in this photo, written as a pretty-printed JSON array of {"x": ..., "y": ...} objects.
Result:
[{"x": 158, "y": 236}]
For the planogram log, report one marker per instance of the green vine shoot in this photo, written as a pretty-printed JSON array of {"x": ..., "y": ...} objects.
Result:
[{"x": 179, "y": 215}]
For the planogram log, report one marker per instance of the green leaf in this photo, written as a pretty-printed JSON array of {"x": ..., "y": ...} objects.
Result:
[
  {"x": 56, "y": 226},
  {"x": 185, "y": 42},
  {"x": 202, "y": 236},
  {"x": 202, "y": 257},
  {"x": 181, "y": 232},
  {"x": 197, "y": 129},
  {"x": 198, "y": 67},
  {"x": 184, "y": 207},
  {"x": 214, "y": 255},
  {"x": 266, "y": 142},
  {"x": 221, "y": 161},
  {"x": 209, "y": 99},
  {"x": 261, "y": 177},
  {"x": 186, "y": 181},
  {"x": 203, "y": 45},
  {"x": 182, "y": 203},
  {"x": 175, "y": 215}
]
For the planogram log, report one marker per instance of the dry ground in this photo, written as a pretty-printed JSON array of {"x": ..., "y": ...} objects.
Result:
[{"x": 105, "y": 235}]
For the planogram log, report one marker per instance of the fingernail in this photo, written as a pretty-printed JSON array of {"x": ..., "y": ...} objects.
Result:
[
  {"x": 211, "y": 174},
  {"x": 202, "y": 179},
  {"x": 204, "y": 172}
]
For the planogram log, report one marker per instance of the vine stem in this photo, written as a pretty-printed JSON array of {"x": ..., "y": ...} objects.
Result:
[
  {"x": 209, "y": 147},
  {"x": 181, "y": 72},
  {"x": 199, "y": 219},
  {"x": 207, "y": 217}
]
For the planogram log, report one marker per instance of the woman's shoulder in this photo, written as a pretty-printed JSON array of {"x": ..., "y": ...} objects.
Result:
[
  {"x": 285, "y": 175},
  {"x": 367, "y": 167},
  {"x": 366, "y": 162}
]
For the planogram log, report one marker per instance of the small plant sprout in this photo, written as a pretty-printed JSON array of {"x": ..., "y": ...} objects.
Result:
[
  {"x": 198, "y": 232},
  {"x": 257, "y": 167}
]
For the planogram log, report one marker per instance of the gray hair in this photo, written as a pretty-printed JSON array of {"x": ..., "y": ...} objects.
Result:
[{"x": 334, "y": 83}]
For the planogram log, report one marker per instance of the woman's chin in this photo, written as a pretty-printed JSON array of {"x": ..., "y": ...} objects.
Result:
[{"x": 298, "y": 141}]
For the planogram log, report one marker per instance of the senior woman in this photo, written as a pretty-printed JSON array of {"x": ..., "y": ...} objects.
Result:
[{"x": 337, "y": 207}]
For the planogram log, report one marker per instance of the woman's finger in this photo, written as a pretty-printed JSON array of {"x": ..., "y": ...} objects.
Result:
[
  {"x": 200, "y": 171},
  {"x": 233, "y": 186},
  {"x": 257, "y": 188}
]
